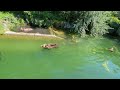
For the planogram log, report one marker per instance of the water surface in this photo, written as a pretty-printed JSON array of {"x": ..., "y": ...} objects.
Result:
[{"x": 23, "y": 58}]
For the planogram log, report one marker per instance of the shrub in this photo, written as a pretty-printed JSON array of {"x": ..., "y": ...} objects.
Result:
[{"x": 9, "y": 22}]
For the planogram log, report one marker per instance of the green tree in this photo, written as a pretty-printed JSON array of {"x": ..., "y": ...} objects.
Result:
[
  {"x": 88, "y": 22},
  {"x": 93, "y": 23}
]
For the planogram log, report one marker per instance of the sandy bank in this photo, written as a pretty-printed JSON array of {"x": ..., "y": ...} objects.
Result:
[{"x": 30, "y": 34}]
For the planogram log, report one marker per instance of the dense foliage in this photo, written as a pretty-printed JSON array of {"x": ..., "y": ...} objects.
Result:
[
  {"x": 9, "y": 22},
  {"x": 89, "y": 22},
  {"x": 115, "y": 24},
  {"x": 94, "y": 23}
]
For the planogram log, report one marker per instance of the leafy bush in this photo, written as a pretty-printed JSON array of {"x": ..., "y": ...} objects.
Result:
[
  {"x": 9, "y": 22},
  {"x": 87, "y": 22},
  {"x": 40, "y": 18},
  {"x": 114, "y": 22}
]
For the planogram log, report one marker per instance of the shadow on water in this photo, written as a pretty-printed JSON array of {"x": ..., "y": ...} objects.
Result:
[{"x": 112, "y": 37}]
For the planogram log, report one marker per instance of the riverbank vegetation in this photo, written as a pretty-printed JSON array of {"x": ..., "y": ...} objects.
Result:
[
  {"x": 80, "y": 23},
  {"x": 9, "y": 22}
]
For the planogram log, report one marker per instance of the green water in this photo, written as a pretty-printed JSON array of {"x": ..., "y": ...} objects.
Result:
[{"x": 89, "y": 58}]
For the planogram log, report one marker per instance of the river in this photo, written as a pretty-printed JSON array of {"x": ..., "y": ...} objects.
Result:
[{"x": 22, "y": 58}]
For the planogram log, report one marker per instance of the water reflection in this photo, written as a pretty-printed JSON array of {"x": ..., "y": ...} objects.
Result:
[
  {"x": 106, "y": 61},
  {"x": 105, "y": 65},
  {"x": 111, "y": 67}
]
